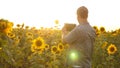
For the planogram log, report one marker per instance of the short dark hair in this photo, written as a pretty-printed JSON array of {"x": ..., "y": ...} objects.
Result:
[{"x": 82, "y": 12}]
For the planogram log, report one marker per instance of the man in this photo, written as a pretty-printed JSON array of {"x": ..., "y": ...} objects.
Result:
[{"x": 81, "y": 39}]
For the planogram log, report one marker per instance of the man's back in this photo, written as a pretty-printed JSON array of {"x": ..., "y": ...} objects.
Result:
[{"x": 81, "y": 39}]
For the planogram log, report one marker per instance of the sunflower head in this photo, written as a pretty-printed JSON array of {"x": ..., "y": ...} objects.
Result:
[
  {"x": 54, "y": 49},
  {"x": 104, "y": 45},
  {"x": 102, "y": 29},
  {"x": 5, "y": 26},
  {"x": 0, "y": 49},
  {"x": 46, "y": 46},
  {"x": 60, "y": 46},
  {"x": 18, "y": 25},
  {"x": 29, "y": 34},
  {"x": 58, "y": 52},
  {"x": 114, "y": 33},
  {"x": 26, "y": 27},
  {"x": 96, "y": 28},
  {"x": 111, "y": 49},
  {"x": 11, "y": 35},
  {"x": 39, "y": 42},
  {"x": 38, "y": 45},
  {"x": 56, "y": 22}
]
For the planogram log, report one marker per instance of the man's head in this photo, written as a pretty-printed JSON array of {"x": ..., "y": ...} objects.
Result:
[{"x": 82, "y": 12}]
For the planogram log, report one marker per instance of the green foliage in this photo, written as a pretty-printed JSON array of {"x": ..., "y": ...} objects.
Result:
[
  {"x": 101, "y": 58},
  {"x": 15, "y": 50}
]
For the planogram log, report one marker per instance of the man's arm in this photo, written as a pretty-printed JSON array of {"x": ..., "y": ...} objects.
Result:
[{"x": 69, "y": 37}]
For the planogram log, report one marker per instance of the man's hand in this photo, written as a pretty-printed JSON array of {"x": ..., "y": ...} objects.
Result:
[{"x": 64, "y": 31}]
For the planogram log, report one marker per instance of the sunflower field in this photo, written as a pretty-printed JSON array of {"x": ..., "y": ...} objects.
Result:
[{"x": 28, "y": 47}]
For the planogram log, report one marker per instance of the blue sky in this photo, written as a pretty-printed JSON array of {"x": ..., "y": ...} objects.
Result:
[{"x": 44, "y": 12}]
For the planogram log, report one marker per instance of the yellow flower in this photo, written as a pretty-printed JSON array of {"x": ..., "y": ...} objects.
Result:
[
  {"x": 35, "y": 49},
  {"x": 39, "y": 42},
  {"x": 114, "y": 33},
  {"x": 102, "y": 29},
  {"x": 54, "y": 49},
  {"x": 10, "y": 25},
  {"x": 26, "y": 27},
  {"x": 104, "y": 44},
  {"x": 29, "y": 34},
  {"x": 60, "y": 46},
  {"x": 38, "y": 45},
  {"x": 18, "y": 25},
  {"x": 111, "y": 49},
  {"x": 3, "y": 25},
  {"x": 7, "y": 30},
  {"x": 56, "y": 22},
  {"x": 58, "y": 52},
  {"x": 16, "y": 40},
  {"x": 96, "y": 28},
  {"x": 11, "y": 35},
  {"x": 46, "y": 46},
  {"x": 0, "y": 48}
]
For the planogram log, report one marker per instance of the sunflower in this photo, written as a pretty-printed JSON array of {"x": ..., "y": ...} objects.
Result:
[
  {"x": 96, "y": 28},
  {"x": 46, "y": 46},
  {"x": 54, "y": 49},
  {"x": 35, "y": 49},
  {"x": 114, "y": 33},
  {"x": 9, "y": 27},
  {"x": 102, "y": 29},
  {"x": 58, "y": 52},
  {"x": 11, "y": 35},
  {"x": 39, "y": 42},
  {"x": 98, "y": 33},
  {"x": 38, "y": 45},
  {"x": 60, "y": 46},
  {"x": 26, "y": 27},
  {"x": 29, "y": 34},
  {"x": 0, "y": 48},
  {"x": 7, "y": 30},
  {"x": 104, "y": 45},
  {"x": 56, "y": 22},
  {"x": 18, "y": 25},
  {"x": 5, "y": 27},
  {"x": 111, "y": 49}
]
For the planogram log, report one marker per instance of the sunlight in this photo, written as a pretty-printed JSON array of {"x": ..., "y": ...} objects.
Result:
[{"x": 35, "y": 13}]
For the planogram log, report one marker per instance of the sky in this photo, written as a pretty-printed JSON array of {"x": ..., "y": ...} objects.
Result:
[{"x": 43, "y": 13}]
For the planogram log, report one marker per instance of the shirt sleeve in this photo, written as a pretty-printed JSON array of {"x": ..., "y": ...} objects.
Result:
[{"x": 71, "y": 36}]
